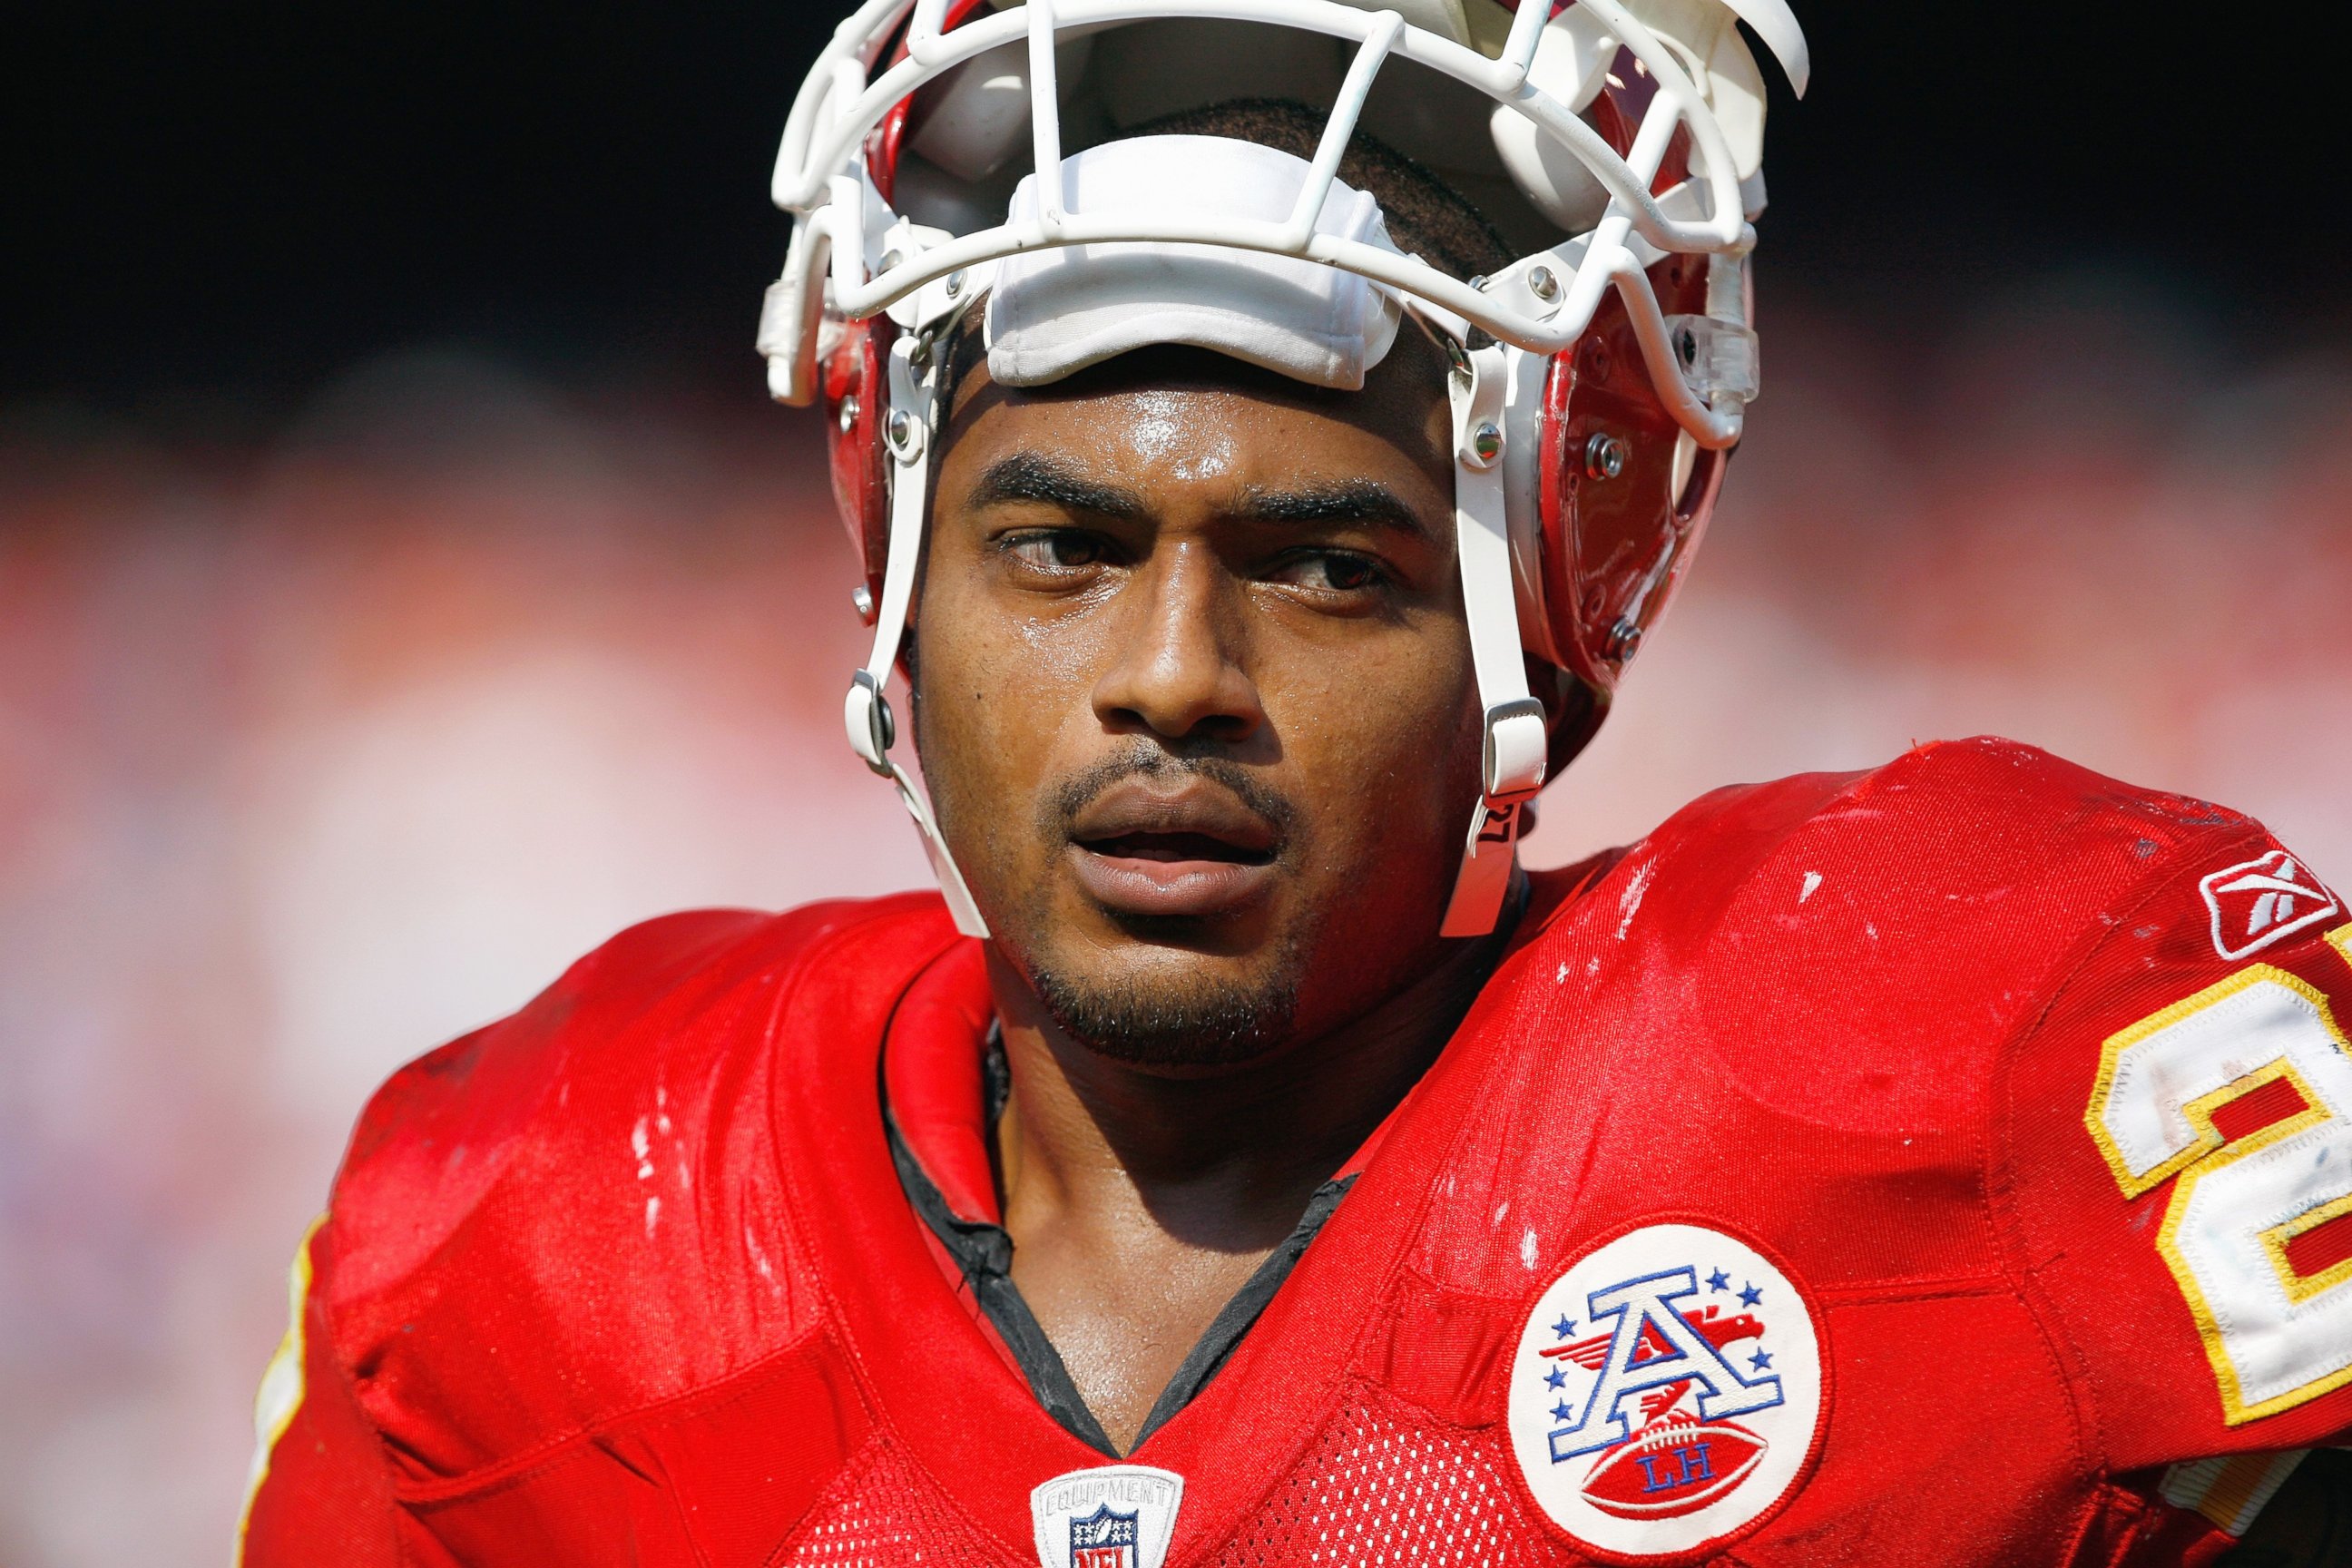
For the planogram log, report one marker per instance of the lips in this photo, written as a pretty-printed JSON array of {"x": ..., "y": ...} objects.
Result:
[{"x": 1145, "y": 848}]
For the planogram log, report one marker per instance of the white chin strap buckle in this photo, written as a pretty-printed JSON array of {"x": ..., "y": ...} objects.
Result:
[
  {"x": 872, "y": 726},
  {"x": 1517, "y": 739}
]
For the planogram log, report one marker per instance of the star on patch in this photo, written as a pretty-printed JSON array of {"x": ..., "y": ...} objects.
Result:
[
  {"x": 1750, "y": 1296},
  {"x": 1556, "y": 1378},
  {"x": 1565, "y": 1327},
  {"x": 1718, "y": 1280},
  {"x": 1760, "y": 1360},
  {"x": 1560, "y": 1411}
]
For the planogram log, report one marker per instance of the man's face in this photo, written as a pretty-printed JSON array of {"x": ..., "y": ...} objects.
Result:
[{"x": 1195, "y": 698}]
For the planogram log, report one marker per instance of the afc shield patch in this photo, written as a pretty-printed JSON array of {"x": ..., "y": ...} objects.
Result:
[
  {"x": 1115, "y": 1516},
  {"x": 1667, "y": 1393}
]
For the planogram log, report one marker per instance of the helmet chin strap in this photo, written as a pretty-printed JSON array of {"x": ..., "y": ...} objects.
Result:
[
  {"x": 1512, "y": 758},
  {"x": 909, "y": 430}
]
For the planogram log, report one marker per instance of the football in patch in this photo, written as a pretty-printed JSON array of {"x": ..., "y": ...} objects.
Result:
[
  {"x": 1673, "y": 1468},
  {"x": 1667, "y": 1393}
]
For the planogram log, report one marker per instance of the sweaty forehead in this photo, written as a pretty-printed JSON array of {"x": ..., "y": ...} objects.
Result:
[{"x": 1176, "y": 410}]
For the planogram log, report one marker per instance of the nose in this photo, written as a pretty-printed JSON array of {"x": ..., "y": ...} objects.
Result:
[{"x": 1177, "y": 670}]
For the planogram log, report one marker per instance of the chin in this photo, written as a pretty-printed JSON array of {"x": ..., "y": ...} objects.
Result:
[{"x": 1176, "y": 1010}]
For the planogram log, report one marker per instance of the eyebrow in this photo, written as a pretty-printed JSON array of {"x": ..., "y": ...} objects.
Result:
[
  {"x": 1035, "y": 478},
  {"x": 1359, "y": 502}
]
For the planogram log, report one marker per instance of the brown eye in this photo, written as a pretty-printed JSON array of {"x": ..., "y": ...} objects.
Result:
[
  {"x": 1054, "y": 549},
  {"x": 1333, "y": 572}
]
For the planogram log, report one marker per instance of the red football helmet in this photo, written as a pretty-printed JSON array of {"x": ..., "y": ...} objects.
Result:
[{"x": 1600, "y": 379}]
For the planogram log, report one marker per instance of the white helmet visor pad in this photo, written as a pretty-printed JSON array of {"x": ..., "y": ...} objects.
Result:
[{"x": 1056, "y": 311}]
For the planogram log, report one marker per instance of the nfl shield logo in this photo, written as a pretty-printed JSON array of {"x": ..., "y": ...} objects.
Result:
[
  {"x": 1103, "y": 1539},
  {"x": 1114, "y": 1516}
]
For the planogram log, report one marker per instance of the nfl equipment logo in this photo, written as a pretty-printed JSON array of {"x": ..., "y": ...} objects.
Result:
[
  {"x": 1114, "y": 1516},
  {"x": 1103, "y": 1539}
]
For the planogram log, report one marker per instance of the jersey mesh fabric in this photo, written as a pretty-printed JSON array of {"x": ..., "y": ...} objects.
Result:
[
  {"x": 884, "y": 1513},
  {"x": 1385, "y": 1486}
]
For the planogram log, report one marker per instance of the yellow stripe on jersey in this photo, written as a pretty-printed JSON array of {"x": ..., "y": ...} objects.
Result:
[
  {"x": 2231, "y": 1489},
  {"x": 280, "y": 1395}
]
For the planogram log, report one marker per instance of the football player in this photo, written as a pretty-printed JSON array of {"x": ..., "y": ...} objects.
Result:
[{"x": 1268, "y": 428}]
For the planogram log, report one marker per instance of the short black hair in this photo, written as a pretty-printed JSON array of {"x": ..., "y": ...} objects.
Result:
[{"x": 1425, "y": 215}]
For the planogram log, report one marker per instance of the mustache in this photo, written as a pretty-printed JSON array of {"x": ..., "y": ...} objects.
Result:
[{"x": 1142, "y": 759}]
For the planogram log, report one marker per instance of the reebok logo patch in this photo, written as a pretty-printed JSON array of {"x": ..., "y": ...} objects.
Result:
[{"x": 2259, "y": 902}]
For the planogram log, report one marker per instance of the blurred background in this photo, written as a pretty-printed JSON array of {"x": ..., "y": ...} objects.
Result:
[{"x": 403, "y": 582}]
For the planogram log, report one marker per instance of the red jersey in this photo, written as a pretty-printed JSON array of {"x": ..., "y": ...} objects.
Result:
[{"x": 1951, "y": 1162}]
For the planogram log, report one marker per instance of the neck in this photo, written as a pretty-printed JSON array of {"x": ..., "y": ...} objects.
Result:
[{"x": 1226, "y": 1160}]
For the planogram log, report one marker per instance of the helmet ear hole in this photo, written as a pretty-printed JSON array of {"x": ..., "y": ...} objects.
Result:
[{"x": 1572, "y": 709}]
